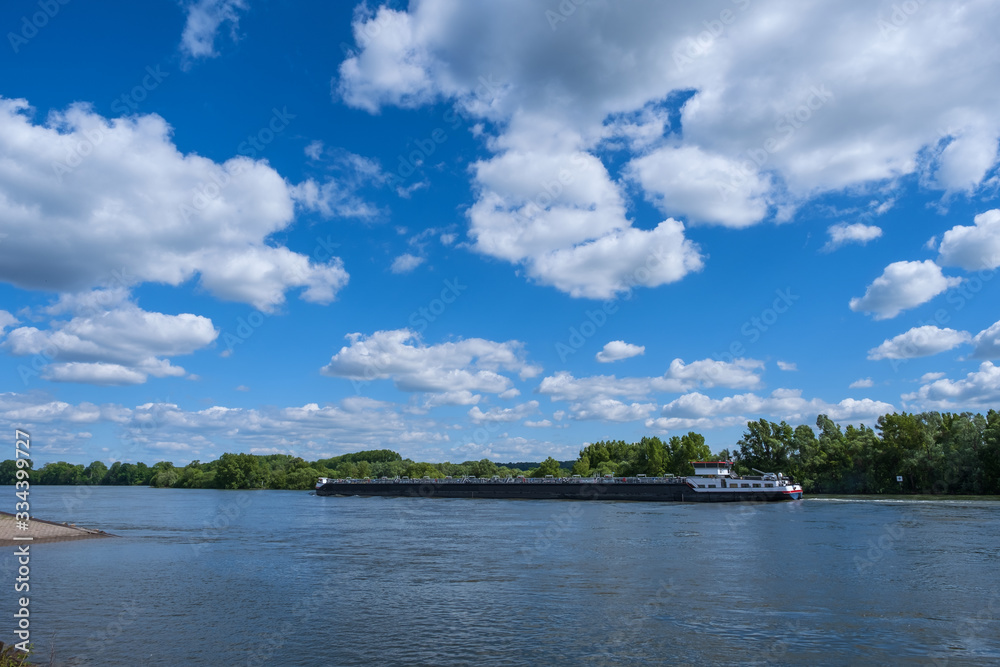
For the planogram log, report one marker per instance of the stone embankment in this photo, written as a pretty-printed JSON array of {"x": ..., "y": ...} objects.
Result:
[{"x": 43, "y": 531}]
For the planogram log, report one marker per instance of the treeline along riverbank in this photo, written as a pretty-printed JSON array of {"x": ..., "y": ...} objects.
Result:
[{"x": 934, "y": 453}]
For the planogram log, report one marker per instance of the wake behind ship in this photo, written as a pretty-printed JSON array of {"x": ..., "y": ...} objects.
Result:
[{"x": 713, "y": 481}]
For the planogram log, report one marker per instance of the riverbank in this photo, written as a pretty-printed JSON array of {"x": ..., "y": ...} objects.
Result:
[{"x": 40, "y": 530}]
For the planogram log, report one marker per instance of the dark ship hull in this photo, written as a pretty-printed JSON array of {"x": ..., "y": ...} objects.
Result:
[{"x": 670, "y": 490}]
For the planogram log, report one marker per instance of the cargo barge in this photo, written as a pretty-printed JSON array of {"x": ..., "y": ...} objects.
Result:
[{"x": 713, "y": 482}]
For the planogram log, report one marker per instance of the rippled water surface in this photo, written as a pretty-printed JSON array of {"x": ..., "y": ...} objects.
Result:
[{"x": 287, "y": 578}]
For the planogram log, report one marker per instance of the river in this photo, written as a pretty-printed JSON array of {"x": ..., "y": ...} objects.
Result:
[{"x": 204, "y": 577}]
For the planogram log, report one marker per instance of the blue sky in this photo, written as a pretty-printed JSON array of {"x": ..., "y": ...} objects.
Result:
[{"x": 502, "y": 230}]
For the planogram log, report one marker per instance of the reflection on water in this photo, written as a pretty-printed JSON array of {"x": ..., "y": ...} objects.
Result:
[{"x": 285, "y": 578}]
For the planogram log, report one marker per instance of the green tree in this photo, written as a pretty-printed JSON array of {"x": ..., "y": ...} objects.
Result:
[
  {"x": 348, "y": 469},
  {"x": 957, "y": 442},
  {"x": 685, "y": 449},
  {"x": 240, "y": 471},
  {"x": 371, "y": 456},
  {"x": 163, "y": 474},
  {"x": 766, "y": 446},
  {"x": 906, "y": 444},
  {"x": 651, "y": 457},
  {"x": 989, "y": 454},
  {"x": 390, "y": 469},
  {"x": 483, "y": 468},
  {"x": 418, "y": 470},
  {"x": 193, "y": 477},
  {"x": 60, "y": 472},
  {"x": 608, "y": 468},
  {"x": 8, "y": 472},
  {"x": 161, "y": 466},
  {"x": 302, "y": 478},
  {"x": 143, "y": 473},
  {"x": 548, "y": 467},
  {"x": 165, "y": 479},
  {"x": 861, "y": 450},
  {"x": 597, "y": 453},
  {"x": 818, "y": 458},
  {"x": 95, "y": 472},
  {"x": 126, "y": 474}
]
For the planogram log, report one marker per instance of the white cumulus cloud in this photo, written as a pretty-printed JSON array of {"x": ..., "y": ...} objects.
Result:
[
  {"x": 702, "y": 186},
  {"x": 204, "y": 18},
  {"x": 503, "y": 414},
  {"x": 110, "y": 344},
  {"x": 922, "y": 341},
  {"x": 6, "y": 320},
  {"x": 561, "y": 216},
  {"x": 785, "y": 404},
  {"x": 901, "y": 286},
  {"x": 617, "y": 350},
  {"x": 827, "y": 102},
  {"x": 128, "y": 207},
  {"x": 680, "y": 377},
  {"x": 987, "y": 342},
  {"x": 844, "y": 233},
  {"x": 610, "y": 410},
  {"x": 467, "y": 366},
  {"x": 973, "y": 248},
  {"x": 406, "y": 263},
  {"x": 980, "y": 388}
]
